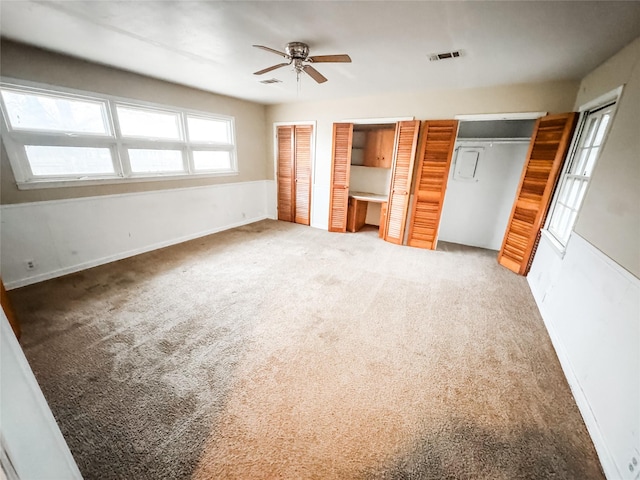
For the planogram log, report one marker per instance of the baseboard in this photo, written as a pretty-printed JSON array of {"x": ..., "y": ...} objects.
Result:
[{"x": 130, "y": 253}]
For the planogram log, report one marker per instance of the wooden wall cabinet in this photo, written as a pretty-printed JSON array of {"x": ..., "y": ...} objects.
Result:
[{"x": 378, "y": 148}]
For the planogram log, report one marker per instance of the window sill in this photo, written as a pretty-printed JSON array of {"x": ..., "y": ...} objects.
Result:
[
  {"x": 41, "y": 184},
  {"x": 557, "y": 247}
]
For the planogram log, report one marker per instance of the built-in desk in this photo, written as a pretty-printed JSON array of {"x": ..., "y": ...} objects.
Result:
[{"x": 357, "y": 212}]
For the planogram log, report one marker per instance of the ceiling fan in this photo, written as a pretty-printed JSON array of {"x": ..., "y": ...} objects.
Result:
[{"x": 297, "y": 53}]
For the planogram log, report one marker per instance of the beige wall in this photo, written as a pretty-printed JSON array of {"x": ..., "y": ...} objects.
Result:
[
  {"x": 433, "y": 105},
  {"x": 610, "y": 215},
  {"x": 27, "y": 63},
  {"x": 553, "y": 97}
]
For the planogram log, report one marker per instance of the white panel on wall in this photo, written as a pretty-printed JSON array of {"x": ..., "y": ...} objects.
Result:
[
  {"x": 65, "y": 236},
  {"x": 272, "y": 199},
  {"x": 591, "y": 307},
  {"x": 476, "y": 210},
  {"x": 466, "y": 163}
]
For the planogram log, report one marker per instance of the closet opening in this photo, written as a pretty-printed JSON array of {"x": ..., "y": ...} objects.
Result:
[
  {"x": 370, "y": 175},
  {"x": 488, "y": 160},
  {"x": 371, "y": 171}
]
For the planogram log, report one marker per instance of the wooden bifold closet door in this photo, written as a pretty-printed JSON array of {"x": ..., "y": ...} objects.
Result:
[
  {"x": 341, "y": 169},
  {"x": 436, "y": 149},
  {"x": 403, "y": 157},
  {"x": 294, "y": 173},
  {"x": 547, "y": 151}
]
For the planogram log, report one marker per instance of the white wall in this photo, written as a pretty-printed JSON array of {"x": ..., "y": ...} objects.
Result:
[
  {"x": 370, "y": 179},
  {"x": 591, "y": 307},
  {"x": 433, "y": 105},
  {"x": 476, "y": 212},
  {"x": 590, "y": 297},
  {"x": 64, "y": 236},
  {"x": 30, "y": 435}
]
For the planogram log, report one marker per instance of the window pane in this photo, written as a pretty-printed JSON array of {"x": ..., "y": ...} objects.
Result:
[
  {"x": 135, "y": 122},
  {"x": 588, "y": 138},
  {"x": 155, "y": 161},
  {"x": 601, "y": 129},
  {"x": 564, "y": 191},
  {"x": 29, "y": 111},
  {"x": 563, "y": 225},
  {"x": 208, "y": 160},
  {"x": 558, "y": 217},
  {"x": 581, "y": 193},
  {"x": 69, "y": 160},
  {"x": 206, "y": 130},
  {"x": 575, "y": 187},
  {"x": 578, "y": 166},
  {"x": 593, "y": 155}
]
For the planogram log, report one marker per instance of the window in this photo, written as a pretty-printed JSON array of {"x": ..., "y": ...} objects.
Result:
[
  {"x": 591, "y": 134},
  {"x": 57, "y": 138},
  {"x": 145, "y": 123}
]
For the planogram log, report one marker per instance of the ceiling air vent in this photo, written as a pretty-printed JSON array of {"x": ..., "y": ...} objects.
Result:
[
  {"x": 271, "y": 80},
  {"x": 443, "y": 56}
]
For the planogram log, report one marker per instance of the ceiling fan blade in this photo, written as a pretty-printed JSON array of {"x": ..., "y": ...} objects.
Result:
[
  {"x": 282, "y": 54},
  {"x": 313, "y": 73},
  {"x": 260, "y": 72},
  {"x": 330, "y": 58}
]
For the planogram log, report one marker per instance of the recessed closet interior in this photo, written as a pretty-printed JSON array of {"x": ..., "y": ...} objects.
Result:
[
  {"x": 486, "y": 167},
  {"x": 371, "y": 159}
]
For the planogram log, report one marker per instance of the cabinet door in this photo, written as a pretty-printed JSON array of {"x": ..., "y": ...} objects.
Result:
[
  {"x": 286, "y": 197},
  {"x": 434, "y": 161},
  {"x": 340, "y": 170},
  {"x": 371, "y": 148},
  {"x": 385, "y": 147},
  {"x": 547, "y": 151},
  {"x": 378, "y": 150},
  {"x": 404, "y": 154},
  {"x": 302, "y": 159}
]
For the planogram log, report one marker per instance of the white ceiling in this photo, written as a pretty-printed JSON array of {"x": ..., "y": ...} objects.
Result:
[{"x": 208, "y": 44}]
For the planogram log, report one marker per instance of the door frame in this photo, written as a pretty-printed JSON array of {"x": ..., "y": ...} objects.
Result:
[{"x": 274, "y": 139}]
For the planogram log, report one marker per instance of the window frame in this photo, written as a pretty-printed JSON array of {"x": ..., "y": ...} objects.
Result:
[
  {"x": 15, "y": 141},
  {"x": 609, "y": 100}
]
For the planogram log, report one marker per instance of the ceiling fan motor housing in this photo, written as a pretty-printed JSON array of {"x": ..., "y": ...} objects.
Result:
[{"x": 297, "y": 50}]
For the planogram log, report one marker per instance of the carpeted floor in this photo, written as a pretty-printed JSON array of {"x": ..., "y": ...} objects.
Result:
[{"x": 281, "y": 351}]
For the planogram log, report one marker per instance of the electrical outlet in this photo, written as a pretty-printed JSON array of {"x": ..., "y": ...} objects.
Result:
[{"x": 30, "y": 264}]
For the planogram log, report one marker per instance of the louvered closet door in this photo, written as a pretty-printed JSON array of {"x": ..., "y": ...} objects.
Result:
[
  {"x": 340, "y": 170},
  {"x": 286, "y": 197},
  {"x": 547, "y": 152},
  {"x": 404, "y": 154},
  {"x": 434, "y": 161},
  {"x": 302, "y": 161}
]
